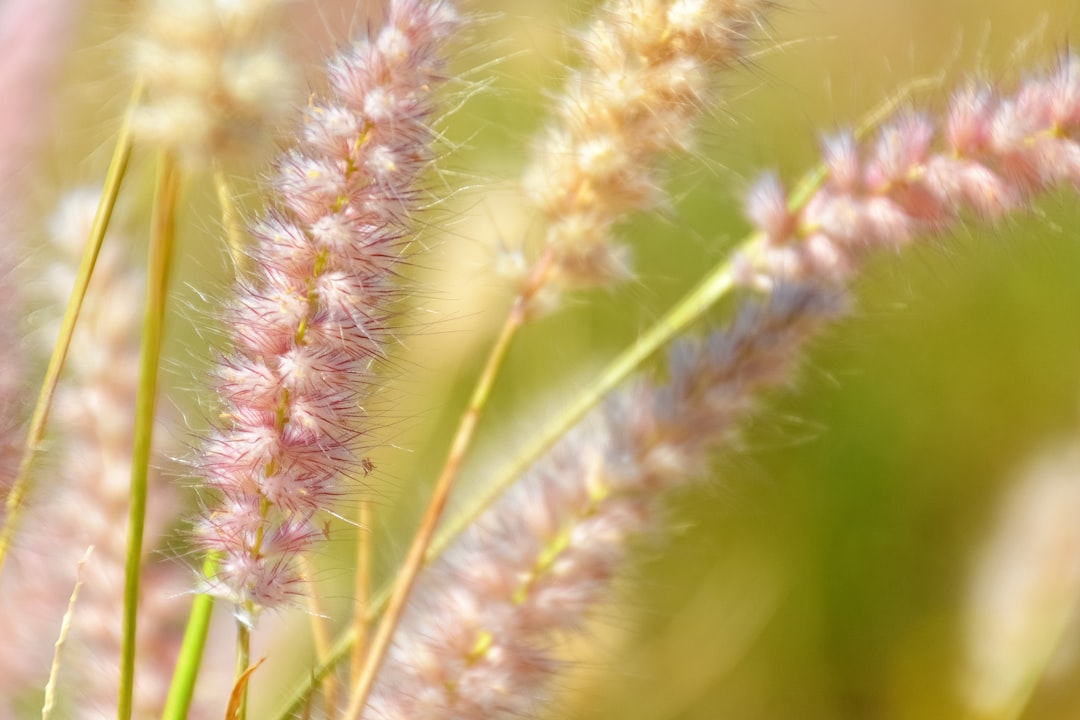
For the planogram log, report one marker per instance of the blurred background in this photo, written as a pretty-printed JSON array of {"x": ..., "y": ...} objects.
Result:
[
  {"x": 836, "y": 564},
  {"x": 831, "y": 567}
]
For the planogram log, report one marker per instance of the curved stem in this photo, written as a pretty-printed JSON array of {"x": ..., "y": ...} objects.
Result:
[
  {"x": 182, "y": 688},
  {"x": 243, "y": 669},
  {"x": 159, "y": 264},
  {"x": 718, "y": 283},
  {"x": 49, "y": 703},
  {"x": 39, "y": 420},
  {"x": 418, "y": 550},
  {"x": 362, "y": 592},
  {"x": 715, "y": 286},
  {"x": 320, "y": 634}
]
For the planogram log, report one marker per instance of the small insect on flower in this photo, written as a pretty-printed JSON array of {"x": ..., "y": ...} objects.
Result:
[{"x": 367, "y": 466}]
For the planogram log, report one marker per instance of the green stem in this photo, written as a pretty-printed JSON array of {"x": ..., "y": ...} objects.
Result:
[
  {"x": 243, "y": 662},
  {"x": 178, "y": 702},
  {"x": 715, "y": 286},
  {"x": 39, "y": 420},
  {"x": 708, "y": 292},
  {"x": 419, "y": 550},
  {"x": 157, "y": 280}
]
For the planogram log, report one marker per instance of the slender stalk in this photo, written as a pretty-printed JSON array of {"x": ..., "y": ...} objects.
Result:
[
  {"x": 65, "y": 625},
  {"x": 361, "y": 592},
  {"x": 321, "y": 635},
  {"x": 39, "y": 419},
  {"x": 182, "y": 688},
  {"x": 178, "y": 702},
  {"x": 243, "y": 669},
  {"x": 713, "y": 288},
  {"x": 298, "y": 698},
  {"x": 417, "y": 555},
  {"x": 234, "y": 234},
  {"x": 710, "y": 291},
  {"x": 716, "y": 285},
  {"x": 159, "y": 264}
]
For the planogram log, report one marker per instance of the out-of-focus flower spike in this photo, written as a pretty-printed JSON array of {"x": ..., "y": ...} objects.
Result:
[
  {"x": 647, "y": 72},
  {"x": 766, "y": 207},
  {"x": 83, "y": 499},
  {"x": 901, "y": 147},
  {"x": 34, "y": 35},
  {"x": 216, "y": 77},
  {"x": 841, "y": 157},
  {"x": 476, "y": 639},
  {"x": 995, "y": 152},
  {"x": 969, "y": 121}
]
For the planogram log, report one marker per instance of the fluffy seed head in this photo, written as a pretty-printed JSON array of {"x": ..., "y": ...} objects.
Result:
[
  {"x": 476, "y": 639},
  {"x": 215, "y": 78},
  {"x": 992, "y": 154},
  {"x": 646, "y": 74},
  {"x": 309, "y": 322}
]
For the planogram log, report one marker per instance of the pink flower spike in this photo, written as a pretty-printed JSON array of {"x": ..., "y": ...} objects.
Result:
[
  {"x": 842, "y": 158},
  {"x": 309, "y": 321},
  {"x": 969, "y": 121},
  {"x": 477, "y": 638},
  {"x": 766, "y": 207},
  {"x": 901, "y": 148},
  {"x": 1064, "y": 90},
  {"x": 824, "y": 258},
  {"x": 965, "y": 183},
  {"x": 996, "y": 152},
  {"x": 1057, "y": 160}
]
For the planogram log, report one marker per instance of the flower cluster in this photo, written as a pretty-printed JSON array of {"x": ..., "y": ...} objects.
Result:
[
  {"x": 472, "y": 625},
  {"x": 477, "y": 639},
  {"x": 215, "y": 76},
  {"x": 648, "y": 65},
  {"x": 476, "y": 642},
  {"x": 999, "y": 151},
  {"x": 308, "y": 326}
]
